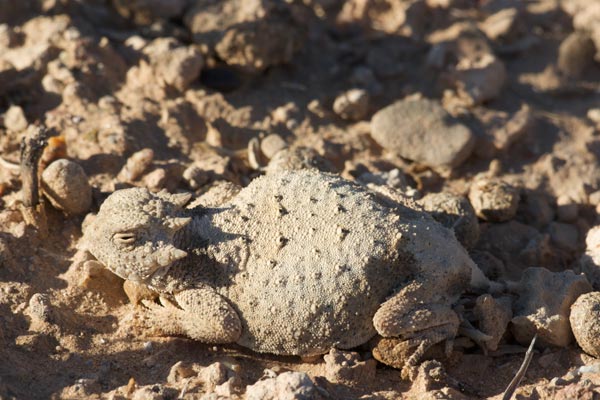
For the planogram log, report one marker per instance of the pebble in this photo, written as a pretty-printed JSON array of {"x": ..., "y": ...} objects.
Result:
[
  {"x": 422, "y": 131},
  {"x": 177, "y": 66},
  {"x": 271, "y": 144},
  {"x": 515, "y": 129},
  {"x": 589, "y": 263},
  {"x": 214, "y": 375},
  {"x": 179, "y": 371},
  {"x": 288, "y": 385},
  {"x": 575, "y": 53},
  {"x": 500, "y": 24},
  {"x": 566, "y": 209},
  {"x": 14, "y": 119},
  {"x": 346, "y": 367},
  {"x": 352, "y": 105},
  {"x": 66, "y": 185},
  {"x": 494, "y": 200},
  {"x": 594, "y": 115},
  {"x": 543, "y": 305},
  {"x": 585, "y": 322},
  {"x": 297, "y": 158},
  {"x": 136, "y": 165},
  {"x": 480, "y": 79}
]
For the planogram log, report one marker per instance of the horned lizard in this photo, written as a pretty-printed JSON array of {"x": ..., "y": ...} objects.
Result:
[{"x": 297, "y": 263}]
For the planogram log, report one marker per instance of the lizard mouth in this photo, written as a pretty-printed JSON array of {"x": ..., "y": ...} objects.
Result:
[{"x": 155, "y": 267}]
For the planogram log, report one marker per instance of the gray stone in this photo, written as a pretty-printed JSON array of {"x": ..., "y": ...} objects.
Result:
[
  {"x": 422, "y": 131},
  {"x": 544, "y": 304}
]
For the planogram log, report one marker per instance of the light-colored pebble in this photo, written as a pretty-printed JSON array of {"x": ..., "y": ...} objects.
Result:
[
  {"x": 66, "y": 185},
  {"x": 136, "y": 165},
  {"x": 352, "y": 105},
  {"x": 494, "y": 200},
  {"x": 14, "y": 119},
  {"x": 271, "y": 144},
  {"x": 288, "y": 385}
]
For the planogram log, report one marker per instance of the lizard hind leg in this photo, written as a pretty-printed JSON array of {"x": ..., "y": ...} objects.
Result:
[{"x": 411, "y": 316}]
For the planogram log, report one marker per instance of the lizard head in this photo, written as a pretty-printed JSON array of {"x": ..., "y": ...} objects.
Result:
[{"x": 134, "y": 232}]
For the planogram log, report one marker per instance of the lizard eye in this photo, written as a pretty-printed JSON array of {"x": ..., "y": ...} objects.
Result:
[{"x": 125, "y": 238}]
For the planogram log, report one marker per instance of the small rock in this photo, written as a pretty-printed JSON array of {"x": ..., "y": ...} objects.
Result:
[
  {"x": 585, "y": 322},
  {"x": 271, "y": 144},
  {"x": 298, "y": 158},
  {"x": 454, "y": 212},
  {"x": 156, "y": 180},
  {"x": 494, "y": 200},
  {"x": 254, "y": 44},
  {"x": 544, "y": 303},
  {"x": 501, "y": 24},
  {"x": 566, "y": 209},
  {"x": 565, "y": 236},
  {"x": 40, "y": 309},
  {"x": 214, "y": 375},
  {"x": 575, "y": 53},
  {"x": 227, "y": 389},
  {"x": 594, "y": 115},
  {"x": 286, "y": 386},
  {"x": 14, "y": 119},
  {"x": 493, "y": 316},
  {"x": 66, "y": 185},
  {"x": 589, "y": 263},
  {"x": 406, "y": 18},
  {"x": 136, "y": 292},
  {"x": 346, "y": 367},
  {"x": 430, "y": 376},
  {"x": 136, "y": 165},
  {"x": 177, "y": 66},
  {"x": 514, "y": 130},
  {"x": 420, "y": 130},
  {"x": 352, "y": 105},
  {"x": 179, "y": 371},
  {"x": 480, "y": 79}
]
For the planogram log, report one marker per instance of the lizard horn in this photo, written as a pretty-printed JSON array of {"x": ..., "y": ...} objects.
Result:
[{"x": 176, "y": 223}]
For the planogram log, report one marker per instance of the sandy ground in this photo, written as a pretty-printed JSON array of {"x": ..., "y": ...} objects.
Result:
[{"x": 201, "y": 82}]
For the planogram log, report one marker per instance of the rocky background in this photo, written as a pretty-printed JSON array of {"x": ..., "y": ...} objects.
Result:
[{"x": 486, "y": 112}]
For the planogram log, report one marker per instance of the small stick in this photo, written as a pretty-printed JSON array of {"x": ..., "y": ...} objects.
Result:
[
  {"x": 512, "y": 386},
  {"x": 31, "y": 152}
]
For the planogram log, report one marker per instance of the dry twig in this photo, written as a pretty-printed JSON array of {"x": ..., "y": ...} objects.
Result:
[
  {"x": 512, "y": 386},
  {"x": 31, "y": 151}
]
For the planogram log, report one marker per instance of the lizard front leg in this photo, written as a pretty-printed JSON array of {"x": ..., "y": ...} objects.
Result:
[{"x": 200, "y": 314}]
